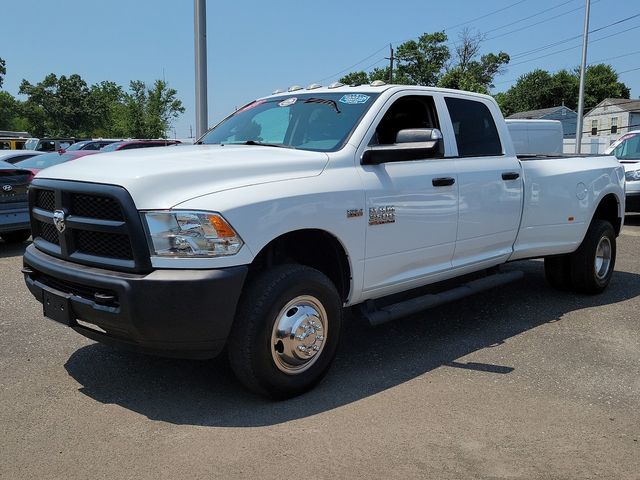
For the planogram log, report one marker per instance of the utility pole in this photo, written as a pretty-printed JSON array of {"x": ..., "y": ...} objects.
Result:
[
  {"x": 583, "y": 66},
  {"x": 390, "y": 58},
  {"x": 200, "y": 30}
]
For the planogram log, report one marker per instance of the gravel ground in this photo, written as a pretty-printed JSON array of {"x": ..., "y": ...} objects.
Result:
[{"x": 519, "y": 382}]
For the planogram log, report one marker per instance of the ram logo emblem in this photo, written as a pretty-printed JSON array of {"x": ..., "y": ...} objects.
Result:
[{"x": 59, "y": 220}]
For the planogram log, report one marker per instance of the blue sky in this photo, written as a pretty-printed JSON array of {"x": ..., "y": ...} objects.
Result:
[{"x": 255, "y": 47}]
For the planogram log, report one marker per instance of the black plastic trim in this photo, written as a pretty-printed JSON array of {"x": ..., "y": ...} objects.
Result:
[
  {"x": 131, "y": 226},
  {"x": 178, "y": 313}
]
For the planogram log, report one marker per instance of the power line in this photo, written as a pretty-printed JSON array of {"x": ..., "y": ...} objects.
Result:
[
  {"x": 573, "y": 48},
  {"x": 445, "y": 29},
  {"x": 595, "y": 62},
  {"x": 517, "y": 30},
  {"x": 531, "y": 16},
  {"x": 485, "y": 15},
  {"x": 560, "y": 42}
]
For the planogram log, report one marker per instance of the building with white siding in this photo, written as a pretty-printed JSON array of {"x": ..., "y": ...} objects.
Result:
[{"x": 612, "y": 118}]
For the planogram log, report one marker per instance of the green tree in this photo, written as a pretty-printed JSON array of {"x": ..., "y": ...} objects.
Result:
[
  {"x": 148, "y": 113},
  {"x": 11, "y": 113},
  {"x": 426, "y": 62},
  {"x": 540, "y": 89},
  {"x": 601, "y": 81},
  {"x": 423, "y": 62},
  {"x": 469, "y": 72},
  {"x": 59, "y": 106},
  {"x": 355, "y": 78}
]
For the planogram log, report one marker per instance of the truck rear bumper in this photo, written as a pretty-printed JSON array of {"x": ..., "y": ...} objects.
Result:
[{"x": 177, "y": 313}]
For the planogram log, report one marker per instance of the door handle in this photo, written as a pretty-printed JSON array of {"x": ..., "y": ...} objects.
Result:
[
  {"x": 510, "y": 175},
  {"x": 443, "y": 181}
]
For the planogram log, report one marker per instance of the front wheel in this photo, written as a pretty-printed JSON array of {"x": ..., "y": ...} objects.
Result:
[{"x": 286, "y": 332}]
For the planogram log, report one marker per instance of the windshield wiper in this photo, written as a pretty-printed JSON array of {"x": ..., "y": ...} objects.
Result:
[{"x": 264, "y": 144}]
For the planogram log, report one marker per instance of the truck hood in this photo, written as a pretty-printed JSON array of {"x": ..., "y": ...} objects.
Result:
[{"x": 161, "y": 177}]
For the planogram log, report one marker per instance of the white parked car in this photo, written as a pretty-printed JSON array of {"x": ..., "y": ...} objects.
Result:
[
  {"x": 627, "y": 150},
  {"x": 302, "y": 204}
]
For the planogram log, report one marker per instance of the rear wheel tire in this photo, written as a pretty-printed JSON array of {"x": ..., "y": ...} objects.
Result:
[
  {"x": 18, "y": 236},
  {"x": 593, "y": 263},
  {"x": 286, "y": 331}
]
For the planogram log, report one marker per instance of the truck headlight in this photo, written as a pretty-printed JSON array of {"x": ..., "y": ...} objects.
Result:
[
  {"x": 632, "y": 175},
  {"x": 190, "y": 234}
]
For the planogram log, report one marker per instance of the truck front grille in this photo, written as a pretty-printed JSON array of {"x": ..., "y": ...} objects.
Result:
[
  {"x": 101, "y": 225},
  {"x": 103, "y": 244}
]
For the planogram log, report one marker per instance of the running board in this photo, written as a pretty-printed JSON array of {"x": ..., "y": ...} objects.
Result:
[{"x": 386, "y": 314}]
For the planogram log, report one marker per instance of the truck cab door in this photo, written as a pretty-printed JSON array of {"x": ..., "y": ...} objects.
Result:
[
  {"x": 411, "y": 204},
  {"x": 490, "y": 184}
]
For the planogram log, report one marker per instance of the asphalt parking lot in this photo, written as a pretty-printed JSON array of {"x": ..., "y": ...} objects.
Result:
[{"x": 519, "y": 382}]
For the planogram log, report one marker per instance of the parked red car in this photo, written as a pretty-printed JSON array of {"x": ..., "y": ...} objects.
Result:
[
  {"x": 129, "y": 144},
  {"x": 40, "y": 162}
]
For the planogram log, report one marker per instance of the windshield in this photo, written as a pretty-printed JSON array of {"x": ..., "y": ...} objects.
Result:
[
  {"x": 76, "y": 146},
  {"x": 320, "y": 122},
  {"x": 111, "y": 147},
  {"x": 45, "y": 160},
  {"x": 628, "y": 148},
  {"x": 31, "y": 144}
]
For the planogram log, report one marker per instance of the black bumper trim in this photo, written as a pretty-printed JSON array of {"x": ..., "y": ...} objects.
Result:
[{"x": 178, "y": 313}]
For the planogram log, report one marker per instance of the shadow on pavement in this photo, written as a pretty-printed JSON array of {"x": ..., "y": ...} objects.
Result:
[
  {"x": 12, "y": 249},
  {"x": 370, "y": 360}
]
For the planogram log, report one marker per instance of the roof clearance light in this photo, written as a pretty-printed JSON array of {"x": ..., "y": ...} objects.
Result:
[
  {"x": 295, "y": 88},
  {"x": 313, "y": 86},
  {"x": 377, "y": 83},
  {"x": 275, "y": 92},
  {"x": 336, "y": 85}
]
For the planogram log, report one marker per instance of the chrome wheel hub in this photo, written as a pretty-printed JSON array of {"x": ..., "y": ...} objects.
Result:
[
  {"x": 298, "y": 335},
  {"x": 603, "y": 258}
]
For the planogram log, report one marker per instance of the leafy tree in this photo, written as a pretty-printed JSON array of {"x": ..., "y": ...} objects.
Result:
[
  {"x": 3, "y": 71},
  {"x": 68, "y": 106},
  {"x": 422, "y": 62},
  {"x": 11, "y": 113},
  {"x": 601, "y": 81},
  {"x": 469, "y": 72},
  {"x": 426, "y": 62},
  {"x": 355, "y": 78},
  {"x": 148, "y": 113},
  {"x": 59, "y": 106},
  {"x": 540, "y": 89}
]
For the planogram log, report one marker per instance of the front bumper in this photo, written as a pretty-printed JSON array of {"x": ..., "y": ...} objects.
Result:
[
  {"x": 14, "y": 219},
  {"x": 177, "y": 313}
]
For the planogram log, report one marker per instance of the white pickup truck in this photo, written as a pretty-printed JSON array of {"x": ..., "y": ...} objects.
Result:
[{"x": 300, "y": 205}]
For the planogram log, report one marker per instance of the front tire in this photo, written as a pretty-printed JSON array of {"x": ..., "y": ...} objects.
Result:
[
  {"x": 286, "y": 331},
  {"x": 18, "y": 236}
]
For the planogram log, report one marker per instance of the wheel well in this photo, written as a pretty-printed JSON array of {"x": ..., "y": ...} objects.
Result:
[
  {"x": 314, "y": 248},
  {"x": 608, "y": 210}
]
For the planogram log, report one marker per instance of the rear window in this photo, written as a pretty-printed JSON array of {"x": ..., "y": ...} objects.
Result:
[
  {"x": 46, "y": 160},
  {"x": 475, "y": 129}
]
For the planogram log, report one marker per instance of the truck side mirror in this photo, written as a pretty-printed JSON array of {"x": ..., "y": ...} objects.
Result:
[{"x": 411, "y": 144}]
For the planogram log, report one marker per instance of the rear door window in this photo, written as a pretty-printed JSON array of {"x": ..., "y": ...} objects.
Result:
[{"x": 474, "y": 127}]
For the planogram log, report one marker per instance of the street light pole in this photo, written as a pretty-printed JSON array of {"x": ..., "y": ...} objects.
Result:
[
  {"x": 200, "y": 30},
  {"x": 583, "y": 66}
]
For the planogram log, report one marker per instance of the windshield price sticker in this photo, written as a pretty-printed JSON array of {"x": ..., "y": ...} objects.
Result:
[
  {"x": 288, "y": 101},
  {"x": 354, "y": 98}
]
